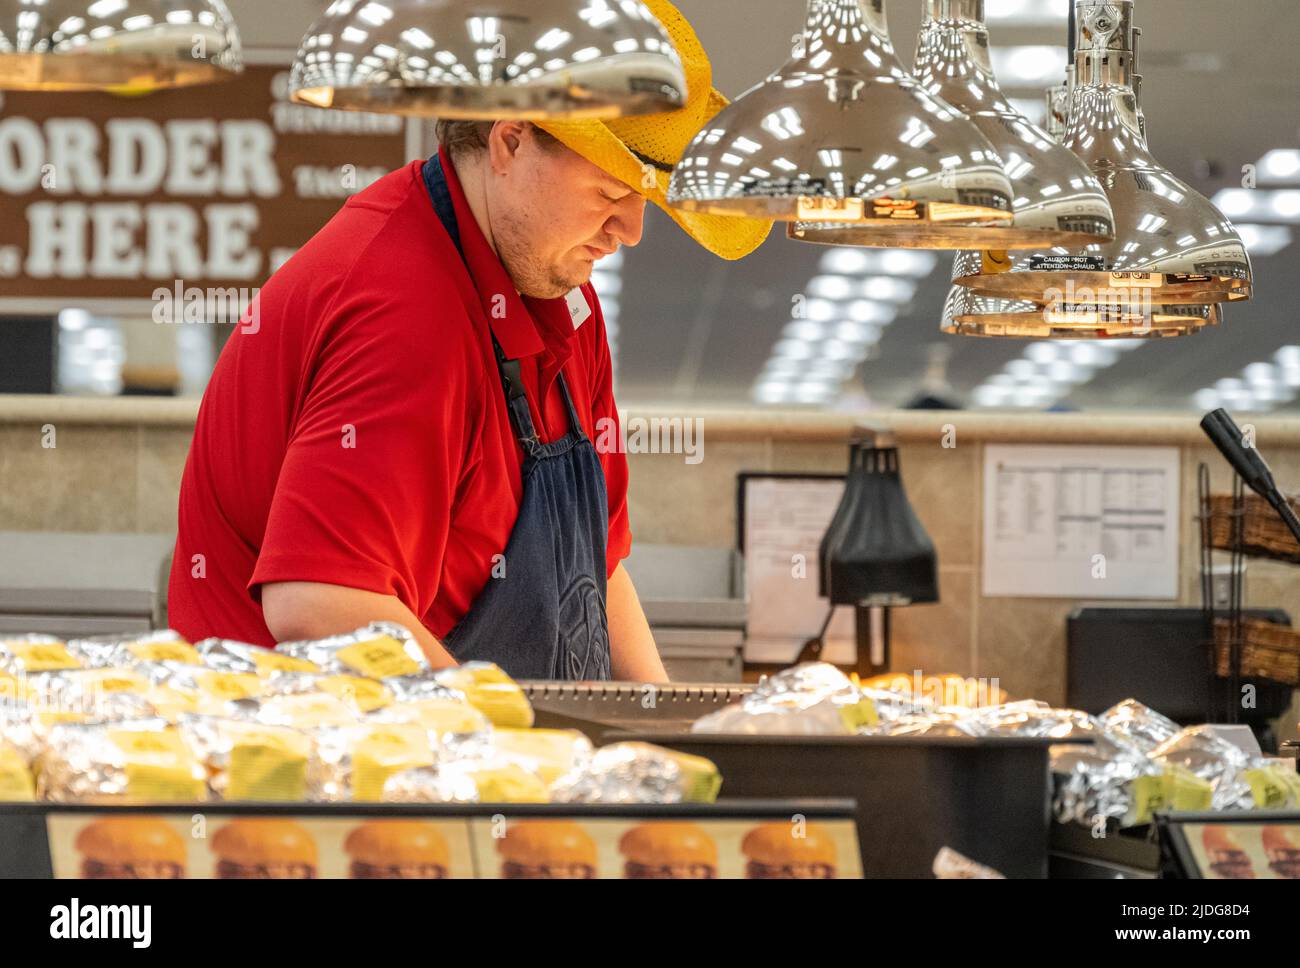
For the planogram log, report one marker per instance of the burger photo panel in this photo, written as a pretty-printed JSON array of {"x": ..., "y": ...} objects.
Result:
[
  {"x": 211, "y": 845},
  {"x": 285, "y": 847},
  {"x": 702, "y": 849},
  {"x": 1246, "y": 851}
]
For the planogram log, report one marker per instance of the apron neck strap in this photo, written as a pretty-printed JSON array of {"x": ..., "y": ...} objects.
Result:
[{"x": 512, "y": 381}]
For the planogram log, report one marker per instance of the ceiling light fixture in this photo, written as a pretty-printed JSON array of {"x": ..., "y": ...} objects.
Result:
[
  {"x": 843, "y": 135},
  {"x": 482, "y": 59},
  {"x": 95, "y": 45},
  {"x": 1174, "y": 257},
  {"x": 1056, "y": 199}
]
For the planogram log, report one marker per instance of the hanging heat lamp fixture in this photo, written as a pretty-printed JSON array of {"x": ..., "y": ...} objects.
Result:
[
  {"x": 489, "y": 60},
  {"x": 1056, "y": 199},
  {"x": 843, "y": 135},
  {"x": 876, "y": 554},
  {"x": 1175, "y": 257},
  {"x": 107, "y": 45}
]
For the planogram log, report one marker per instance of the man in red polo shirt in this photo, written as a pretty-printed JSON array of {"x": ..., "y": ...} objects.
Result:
[{"x": 405, "y": 429}]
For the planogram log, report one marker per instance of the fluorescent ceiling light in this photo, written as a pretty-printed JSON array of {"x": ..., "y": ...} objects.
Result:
[
  {"x": 850, "y": 261},
  {"x": 1032, "y": 66},
  {"x": 1264, "y": 240},
  {"x": 1280, "y": 166},
  {"x": 1261, "y": 206},
  {"x": 1027, "y": 11}
]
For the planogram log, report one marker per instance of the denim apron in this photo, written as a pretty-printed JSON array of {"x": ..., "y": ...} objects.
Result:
[{"x": 545, "y": 617}]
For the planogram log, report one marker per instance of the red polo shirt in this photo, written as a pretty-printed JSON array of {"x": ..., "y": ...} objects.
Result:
[{"x": 355, "y": 431}]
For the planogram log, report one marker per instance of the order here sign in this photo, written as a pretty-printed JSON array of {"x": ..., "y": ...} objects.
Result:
[{"x": 110, "y": 197}]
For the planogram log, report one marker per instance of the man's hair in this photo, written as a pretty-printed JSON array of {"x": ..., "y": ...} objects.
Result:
[{"x": 465, "y": 138}]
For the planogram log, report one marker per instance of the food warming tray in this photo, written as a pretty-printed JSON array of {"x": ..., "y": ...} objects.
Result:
[{"x": 988, "y": 798}]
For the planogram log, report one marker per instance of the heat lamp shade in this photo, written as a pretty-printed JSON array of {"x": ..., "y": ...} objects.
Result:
[
  {"x": 876, "y": 551},
  {"x": 841, "y": 135},
  {"x": 488, "y": 60},
  {"x": 129, "y": 46}
]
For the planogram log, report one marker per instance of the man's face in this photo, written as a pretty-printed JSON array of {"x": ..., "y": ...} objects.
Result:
[{"x": 554, "y": 214}]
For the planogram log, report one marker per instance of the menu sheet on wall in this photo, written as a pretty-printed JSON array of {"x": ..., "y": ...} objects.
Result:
[
  {"x": 1081, "y": 522},
  {"x": 785, "y": 520}
]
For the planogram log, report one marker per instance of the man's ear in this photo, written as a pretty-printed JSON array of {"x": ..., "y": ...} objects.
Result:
[{"x": 504, "y": 143}]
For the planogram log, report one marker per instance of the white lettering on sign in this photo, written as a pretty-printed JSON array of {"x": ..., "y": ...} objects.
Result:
[
  {"x": 247, "y": 166},
  {"x": 58, "y": 246},
  {"x": 192, "y": 172},
  {"x": 173, "y": 248},
  {"x": 73, "y": 145},
  {"x": 115, "y": 226},
  {"x": 22, "y": 153},
  {"x": 71, "y": 240},
  {"x": 141, "y": 157},
  {"x": 137, "y": 158},
  {"x": 229, "y": 253}
]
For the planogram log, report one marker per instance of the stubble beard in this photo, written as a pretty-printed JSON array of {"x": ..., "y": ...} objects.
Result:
[{"x": 533, "y": 277}]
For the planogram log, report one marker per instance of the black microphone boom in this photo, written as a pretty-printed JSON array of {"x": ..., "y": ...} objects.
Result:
[{"x": 1249, "y": 464}]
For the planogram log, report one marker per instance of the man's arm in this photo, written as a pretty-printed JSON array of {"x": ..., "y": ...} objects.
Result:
[
  {"x": 308, "y": 610},
  {"x": 632, "y": 647}
]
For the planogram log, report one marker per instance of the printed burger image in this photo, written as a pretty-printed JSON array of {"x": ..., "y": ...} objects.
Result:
[
  {"x": 264, "y": 849},
  {"x": 131, "y": 848},
  {"x": 667, "y": 850},
  {"x": 546, "y": 849},
  {"x": 1227, "y": 857},
  {"x": 397, "y": 850},
  {"x": 1282, "y": 847},
  {"x": 782, "y": 851}
]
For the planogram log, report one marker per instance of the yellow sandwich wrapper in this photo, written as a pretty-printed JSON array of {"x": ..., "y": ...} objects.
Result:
[
  {"x": 492, "y": 692},
  {"x": 15, "y": 778}
]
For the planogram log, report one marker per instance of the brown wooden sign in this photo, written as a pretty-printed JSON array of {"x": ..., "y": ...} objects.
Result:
[{"x": 107, "y": 198}]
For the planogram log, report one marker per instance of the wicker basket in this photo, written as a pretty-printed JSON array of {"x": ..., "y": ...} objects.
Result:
[
  {"x": 1262, "y": 532},
  {"x": 1268, "y": 651}
]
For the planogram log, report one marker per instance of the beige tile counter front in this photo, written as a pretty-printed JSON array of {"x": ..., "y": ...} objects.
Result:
[{"x": 116, "y": 466}]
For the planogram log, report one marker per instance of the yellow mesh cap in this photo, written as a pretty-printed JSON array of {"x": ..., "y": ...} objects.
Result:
[{"x": 642, "y": 151}]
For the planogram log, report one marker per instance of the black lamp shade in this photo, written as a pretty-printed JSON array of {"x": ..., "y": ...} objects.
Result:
[
  {"x": 837, "y": 523},
  {"x": 876, "y": 551}
]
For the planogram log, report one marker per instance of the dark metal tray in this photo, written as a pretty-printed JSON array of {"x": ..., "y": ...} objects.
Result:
[{"x": 596, "y": 708}]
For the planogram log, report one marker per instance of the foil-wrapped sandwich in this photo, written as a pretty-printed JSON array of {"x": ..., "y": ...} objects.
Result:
[
  {"x": 251, "y": 761},
  {"x": 210, "y": 685},
  {"x": 381, "y": 650},
  {"x": 639, "y": 773},
  {"x": 28, "y": 654},
  {"x": 444, "y": 719},
  {"x": 128, "y": 650},
  {"x": 357, "y": 760},
  {"x": 1239, "y": 781},
  {"x": 227, "y": 655},
  {"x": 1104, "y": 782},
  {"x": 467, "y": 780},
  {"x": 813, "y": 699},
  {"x": 300, "y": 710},
  {"x": 363, "y": 695},
  {"x": 1036, "y": 719},
  {"x": 937, "y": 723},
  {"x": 134, "y": 760},
  {"x": 489, "y": 690},
  {"x": 16, "y": 781},
  {"x": 546, "y": 753},
  {"x": 1140, "y": 725}
]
